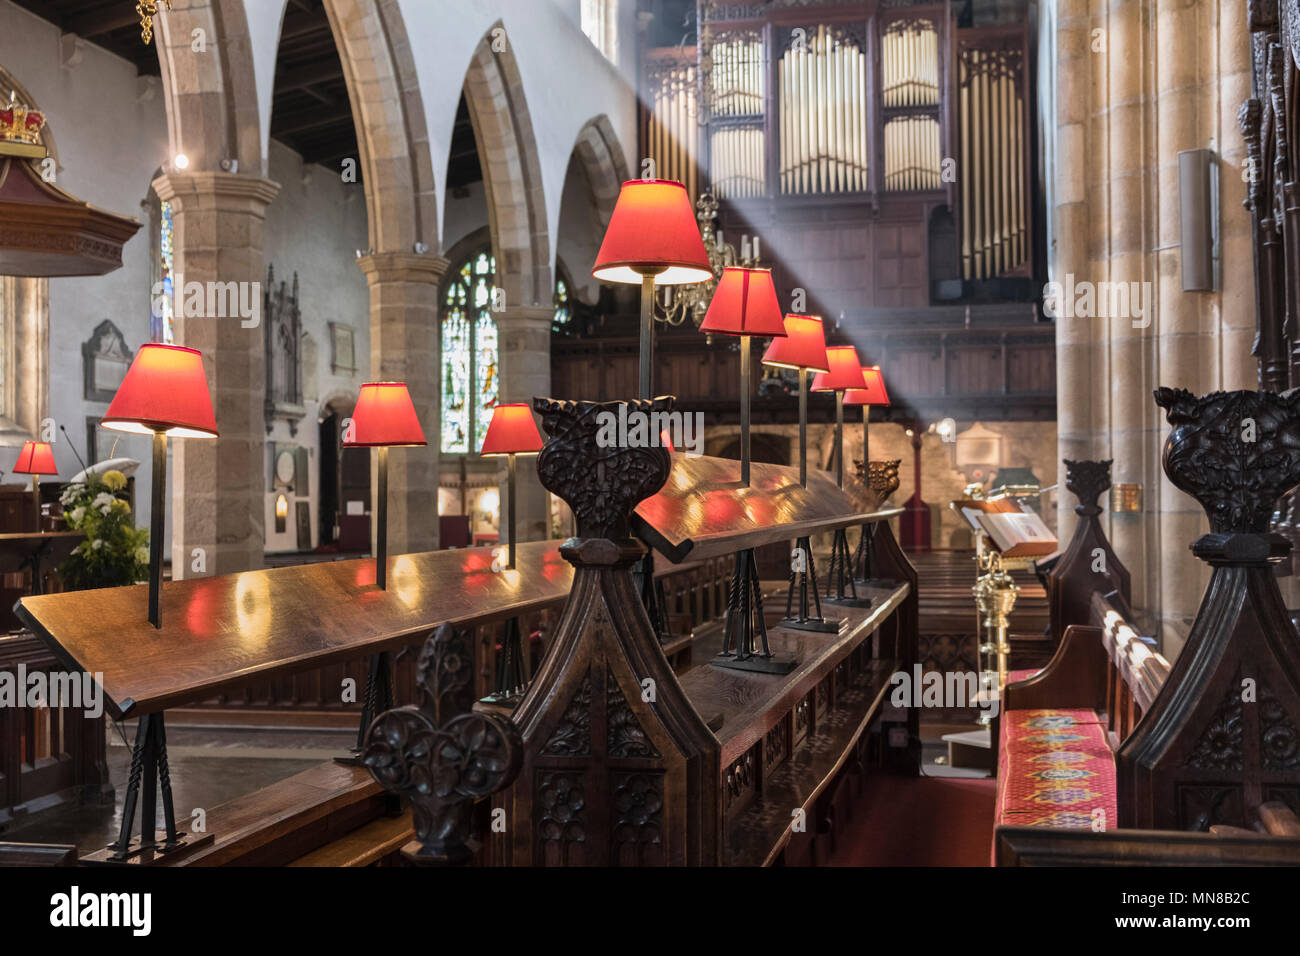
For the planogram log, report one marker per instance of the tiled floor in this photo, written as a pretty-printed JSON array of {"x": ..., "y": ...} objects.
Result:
[{"x": 208, "y": 767}]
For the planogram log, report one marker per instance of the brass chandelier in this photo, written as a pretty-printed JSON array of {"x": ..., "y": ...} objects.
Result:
[
  {"x": 148, "y": 9},
  {"x": 679, "y": 302}
]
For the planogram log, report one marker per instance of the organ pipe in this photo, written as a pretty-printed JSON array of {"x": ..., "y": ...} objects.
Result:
[
  {"x": 909, "y": 53},
  {"x": 672, "y": 133},
  {"x": 991, "y": 117},
  {"x": 822, "y": 101},
  {"x": 737, "y": 147},
  {"x": 912, "y": 160}
]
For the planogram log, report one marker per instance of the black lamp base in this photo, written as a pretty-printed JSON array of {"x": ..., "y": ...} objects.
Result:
[
  {"x": 803, "y": 582},
  {"x": 759, "y": 663}
]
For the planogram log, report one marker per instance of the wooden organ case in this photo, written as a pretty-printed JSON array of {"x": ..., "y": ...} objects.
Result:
[{"x": 884, "y": 153}]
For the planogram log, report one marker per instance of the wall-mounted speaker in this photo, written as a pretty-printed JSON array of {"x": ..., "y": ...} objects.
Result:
[{"x": 1198, "y": 204}]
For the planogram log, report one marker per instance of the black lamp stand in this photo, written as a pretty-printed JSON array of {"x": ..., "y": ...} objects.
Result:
[{"x": 803, "y": 568}]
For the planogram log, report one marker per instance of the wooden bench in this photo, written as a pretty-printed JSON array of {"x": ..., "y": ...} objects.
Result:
[
  {"x": 1058, "y": 730},
  {"x": 1082, "y": 707},
  {"x": 1207, "y": 745}
]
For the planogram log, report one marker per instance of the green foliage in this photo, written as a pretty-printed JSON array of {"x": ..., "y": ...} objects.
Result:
[{"x": 115, "y": 552}]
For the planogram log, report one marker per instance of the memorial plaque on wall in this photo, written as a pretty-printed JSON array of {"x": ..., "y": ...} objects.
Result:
[{"x": 105, "y": 359}]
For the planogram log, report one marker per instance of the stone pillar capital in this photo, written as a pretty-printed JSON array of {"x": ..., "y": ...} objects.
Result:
[
  {"x": 199, "y": 188},
  {"x": 525, "y": 317},
  {"x": 385, "y": 267}
]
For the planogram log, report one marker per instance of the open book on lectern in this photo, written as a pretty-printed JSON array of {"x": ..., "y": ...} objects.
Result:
[{"x": 1018, "y": 534}]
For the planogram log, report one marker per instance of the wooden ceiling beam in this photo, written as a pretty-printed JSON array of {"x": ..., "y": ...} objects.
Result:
[
  {"x": 305, "y": 122},
  {"x": 96, "y": 23}
]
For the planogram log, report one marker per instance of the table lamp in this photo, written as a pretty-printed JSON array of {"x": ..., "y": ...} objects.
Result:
[
  {"x": 845, "y": 374},
  {"x": 164, "y": 394},
  {"x": 874, "y": 394},
  {"x": 652, "y": 237},
  {"x": 804, "y": 349},
  {"x": 36, "y": 458},
  {"x": 384, "y": 418},
  {"x": 744, "y": 304},
  {"x": 511, "y": 432}
]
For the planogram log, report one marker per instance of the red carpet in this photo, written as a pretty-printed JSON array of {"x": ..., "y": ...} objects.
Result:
[{"x": 919, "y": 821}]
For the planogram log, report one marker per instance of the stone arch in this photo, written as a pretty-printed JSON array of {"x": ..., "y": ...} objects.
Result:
[
  {"x": 598, "y": 149},
  {"x": 397, "y": 167},
  {"x": 211, "y": 100},
  {"x": 512, "y": 176}
]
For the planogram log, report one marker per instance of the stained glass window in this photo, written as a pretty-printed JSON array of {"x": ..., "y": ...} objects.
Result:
[
  {"x": 563, "y": 311},
  {"x": 165, "y": 320},
  {"x": 470, "y": 355}
]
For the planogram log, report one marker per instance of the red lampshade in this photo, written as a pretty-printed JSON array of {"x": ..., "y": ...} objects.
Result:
[
  {"x": 845, "y": 371},
  {"x": 165, "y": 390},
  {"x": 384, "y": 416},
  {"x": 745, "y": 303},
  {"x": 36, "y": 458},
  {"x": 803, "y": 347},
  {"x": 512, "y": 431},
  {"x": 653, "y": 229},
  {"x": 873, "y": 394}
]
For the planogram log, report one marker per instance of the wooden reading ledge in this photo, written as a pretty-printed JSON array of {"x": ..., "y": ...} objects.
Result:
[
  {"x": 703, "y": 511},
  {"x": 222, "y": 633}
]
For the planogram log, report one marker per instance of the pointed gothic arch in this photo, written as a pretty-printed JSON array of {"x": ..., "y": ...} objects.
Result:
[{"x": 512, "y": 175}]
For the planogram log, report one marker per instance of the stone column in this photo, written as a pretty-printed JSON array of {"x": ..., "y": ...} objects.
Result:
[
  {"x": 218, "y": 486},
  {"x": 1069, "y": 248},
  {"x": 403, "y": 348},
  {"x": 524, "y": 339},
  {"x": 1132, "y": 420},
  {"x": 1185, "y": 118}
]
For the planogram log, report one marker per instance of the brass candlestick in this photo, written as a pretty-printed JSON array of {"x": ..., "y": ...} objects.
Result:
[{"x": 995, "y": 598}]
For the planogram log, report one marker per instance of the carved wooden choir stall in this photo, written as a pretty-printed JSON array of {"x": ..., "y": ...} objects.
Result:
[
  {"x": 612, "y": 755},
  {"x": 1112, "y": 755}
]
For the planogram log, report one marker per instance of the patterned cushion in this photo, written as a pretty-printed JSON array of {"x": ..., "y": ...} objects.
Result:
[{"x": 1055, "y": 769}]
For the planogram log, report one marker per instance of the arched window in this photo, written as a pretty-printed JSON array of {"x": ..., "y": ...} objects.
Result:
[
  {"x": 165, "y": 330},
  {"x": 470, "y": 361},
  {"x": 162, "y": 269},
  {"x": 562, "y": 302}
]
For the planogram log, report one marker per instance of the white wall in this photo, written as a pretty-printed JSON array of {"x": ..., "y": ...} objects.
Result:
[
  {"x": 110, "y": 143},
  {"x": 314, "y": 227},
  {"x": 111, "y": 134}
]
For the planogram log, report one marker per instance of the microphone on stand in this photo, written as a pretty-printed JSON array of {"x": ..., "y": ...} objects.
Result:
[{"x": 64, "y": 429}]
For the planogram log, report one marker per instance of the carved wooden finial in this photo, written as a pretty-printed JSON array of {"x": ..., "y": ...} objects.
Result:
[
  {"x": 602, "y": 480},
  {"x": 1234, "y": 452},
  {"x": 881, "y": 477},
  {"x": 1086, "y": 480},
  {"x": 440, "y": 755}
]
